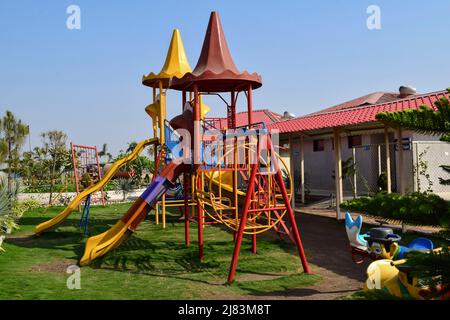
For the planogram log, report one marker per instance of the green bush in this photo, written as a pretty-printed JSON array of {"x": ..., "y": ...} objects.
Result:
[{"x": 415, "y": 208}]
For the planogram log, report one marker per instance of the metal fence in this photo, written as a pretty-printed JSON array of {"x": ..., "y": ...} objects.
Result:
[
  {"x": 422, "y": 165},
  {"x": 364, "y": 172},
  {"x": 428, "y": 157}
]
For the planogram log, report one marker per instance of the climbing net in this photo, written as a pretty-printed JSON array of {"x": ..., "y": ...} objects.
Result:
[{"x": 87, "y": 171}]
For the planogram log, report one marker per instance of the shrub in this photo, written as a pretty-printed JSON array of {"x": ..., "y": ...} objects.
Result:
[{"x": 415, "y": 208}]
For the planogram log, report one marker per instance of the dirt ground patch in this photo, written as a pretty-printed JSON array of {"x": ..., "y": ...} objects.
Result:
[
  {"x": 54, "y": 266},
  {"x": 21, "y": 239}
]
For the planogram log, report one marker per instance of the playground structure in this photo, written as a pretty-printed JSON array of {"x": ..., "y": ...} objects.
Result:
[{"x": 241, "y": 184}]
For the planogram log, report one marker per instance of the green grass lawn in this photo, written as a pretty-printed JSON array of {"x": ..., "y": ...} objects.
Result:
[{"x": 154, "y": 263}]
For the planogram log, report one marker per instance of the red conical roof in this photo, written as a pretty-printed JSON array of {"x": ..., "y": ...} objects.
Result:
[{"x": 215, "y": 70}]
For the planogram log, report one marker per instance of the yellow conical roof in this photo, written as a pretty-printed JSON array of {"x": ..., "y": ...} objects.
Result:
[{"x": 176, "y": 64}]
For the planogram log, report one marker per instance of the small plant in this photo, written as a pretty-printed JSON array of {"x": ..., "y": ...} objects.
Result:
[
  {"x": 433, "y": 270},
  {"x": 64, "y": 200},
  {"x": 86, "y": 181},
  {"x": 125, "y": 185},
  {"x": 382, "y": 181},
  {"x": 421, "y": 169},
  {"x": 10, "y": 209}
]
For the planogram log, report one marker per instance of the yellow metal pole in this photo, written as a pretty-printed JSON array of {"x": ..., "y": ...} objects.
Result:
[
  {"x": 338, "y": 172},
  {"x": 400, "y": 161},
  {"x": 162, "y": 117},
  {"x": 388, "y": 160},
  {"x": 302, "y": 169},
  {"x": 157, "y": 214}
]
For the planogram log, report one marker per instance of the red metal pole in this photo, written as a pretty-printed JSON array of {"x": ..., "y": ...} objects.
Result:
[
  {"x": 186, "y": 209},
  {"x": 290, "y": 212},
  {"x": 186, "y": 191},
  {"x": 250, "y": 122},
  {"x": 102, "y": 193},
  {"x": 231, "y": 125},
  {"x": 249, "y": 105},
  {"x": 75, "y": 167},
  {"x": 240, "y": 233}
]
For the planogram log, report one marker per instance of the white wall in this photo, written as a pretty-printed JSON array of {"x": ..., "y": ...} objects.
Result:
[{"x": 319, "y": 165}]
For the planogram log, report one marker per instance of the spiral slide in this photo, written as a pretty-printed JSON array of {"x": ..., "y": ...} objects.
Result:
[
  {"x": 101, "y": 244},
  {"x": 99, "y": 185}
]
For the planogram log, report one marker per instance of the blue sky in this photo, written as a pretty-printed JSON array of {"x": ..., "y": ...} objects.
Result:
[{"x": 311, "y": 55}]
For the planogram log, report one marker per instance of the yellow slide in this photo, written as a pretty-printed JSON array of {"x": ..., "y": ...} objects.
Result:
[
  {"x": 103, "y": 181},
  {"x": 99, "y": 245}
]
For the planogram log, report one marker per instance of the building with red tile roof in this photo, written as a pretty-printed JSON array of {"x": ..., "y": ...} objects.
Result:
[
  {"x": 359, "y": 111},
  {"x": 365, "y": 144},
  {"x": 263, "y": 115}
]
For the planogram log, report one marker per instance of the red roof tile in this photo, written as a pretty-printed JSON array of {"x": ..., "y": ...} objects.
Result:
[
  {"x": 263, "y": 115},
  {"x": 356, "y": 115}
]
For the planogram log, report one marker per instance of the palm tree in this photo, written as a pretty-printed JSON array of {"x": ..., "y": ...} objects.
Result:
[
  {"x": 124, "y": 185},
  {"x": 12, "y": 136},
  {"x": 55, "y": 143},
  {"x": 131, "y": 146},
  {"x": 104, "y": 153},
  {"x": 3, "y": 150}
]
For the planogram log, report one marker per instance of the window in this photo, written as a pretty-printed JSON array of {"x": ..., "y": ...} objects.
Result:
[
  {"x": 318, "y": 145},
  {"x": 354, "y": 141}
]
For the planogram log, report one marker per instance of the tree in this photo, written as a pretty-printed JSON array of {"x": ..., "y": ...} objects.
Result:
[
  {"x": 104, "y": 153},
  {"x": 12, "y": 136},
  {"x": 55, "y": 144},
  {"x": 3, "y": 150},
  {"x": 422, "y": 120},
  {"x": 131, "y": 146},
  {"x": 125, "y": 185}
]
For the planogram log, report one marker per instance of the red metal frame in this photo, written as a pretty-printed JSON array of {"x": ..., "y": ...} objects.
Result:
[{"x": 86, "y": 156}]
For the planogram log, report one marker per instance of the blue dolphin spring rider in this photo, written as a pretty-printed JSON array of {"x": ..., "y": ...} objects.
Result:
[{"x": 379, "y": 243}]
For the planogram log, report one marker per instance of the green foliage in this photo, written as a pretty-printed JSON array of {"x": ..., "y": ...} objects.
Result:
[
  {"x": 424, "y": 119},
  {"x": 382, "y": 181},
  {"x": 140, "y": 168},
  {"x": 10, "y": 209},
  {"x": 421, "y": 169},
  {"x": 348, "y": 171},
  {"x": 103, "y": 153},
  {"x": 12, "y": 136},
  {"x": 415, "y": 208},
  {"x": 125, "y": 185},
  {"x": 433, "y": 269},
  {"x": 46, "y": 168}
]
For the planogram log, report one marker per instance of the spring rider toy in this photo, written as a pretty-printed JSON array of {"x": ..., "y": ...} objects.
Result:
[{"x": 379, "y": 243}]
